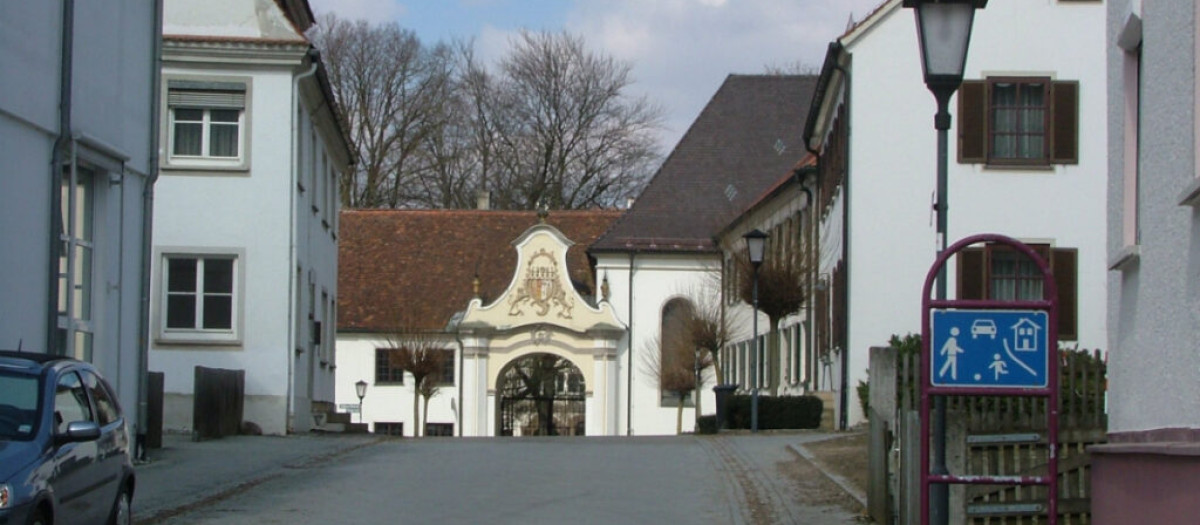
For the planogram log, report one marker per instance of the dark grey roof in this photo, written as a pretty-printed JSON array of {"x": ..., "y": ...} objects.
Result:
[{"x": 745, "y": 139}]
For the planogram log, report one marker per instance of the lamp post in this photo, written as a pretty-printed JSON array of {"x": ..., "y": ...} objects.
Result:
[
  {"x": 944, "y": 33},
  {"x": 755, "y": 242},
  {"x": 360, "y": 388}
]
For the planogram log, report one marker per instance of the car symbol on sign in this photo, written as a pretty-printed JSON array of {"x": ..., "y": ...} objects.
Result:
[{"x": 983, "y": 327}]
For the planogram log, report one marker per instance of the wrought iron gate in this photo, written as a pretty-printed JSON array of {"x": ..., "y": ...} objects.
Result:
[{"x": 541, "y": 395}]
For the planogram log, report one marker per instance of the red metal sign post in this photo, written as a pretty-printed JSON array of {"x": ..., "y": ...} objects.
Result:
[{"x": 972, "y": 347}]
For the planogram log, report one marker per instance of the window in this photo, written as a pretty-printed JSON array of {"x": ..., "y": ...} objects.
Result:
[
  {"x": 200, "y": 294},
  {"x": 70, "y": 402},
  {"x": 106, "y": 408},
  {"x": 1023, "y": 121},
  {"x": 677, "y": 357},
  {"x": 207, "y": 120},
  {"x": 439, "y": 429},
  {"x": 445, "y": 376},
  {"x": 75, "y": 261},
  {"x": 1001, "y": 273},
  {"x": 389, "y": 429},
  {"x": 385, "y": 371}
]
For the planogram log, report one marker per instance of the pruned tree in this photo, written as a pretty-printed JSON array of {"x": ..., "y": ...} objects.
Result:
[
  {"x": 783, "y": 289},
  {"x": 673, "y": 360},
  {"x": 711, "y": 329},
  {"x": 427, "y": 388},
  {"x": 421, "y": 358}
]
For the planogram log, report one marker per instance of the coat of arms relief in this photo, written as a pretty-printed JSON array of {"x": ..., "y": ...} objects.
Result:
[{"x": 542, "y": 289}]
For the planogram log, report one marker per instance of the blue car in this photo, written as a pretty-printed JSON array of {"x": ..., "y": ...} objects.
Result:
[{"x": 64, "y": 444}]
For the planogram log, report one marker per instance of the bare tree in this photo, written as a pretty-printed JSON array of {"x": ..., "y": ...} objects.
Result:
[
  {"x": 673, "y": 360},
  {"x": 570, "y": 135},
  {"x": 420, "y": 353},
  {"x": 783, "y": 288},
  {"x": 552, "y": 122},
  {"x": 795, "y": 67},
  {"x": 427, "y": 388},
  {"x": 393, "y": 91}
]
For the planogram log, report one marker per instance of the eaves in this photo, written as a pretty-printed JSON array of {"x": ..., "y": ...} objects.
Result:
[{"x": 255, "y": 52}]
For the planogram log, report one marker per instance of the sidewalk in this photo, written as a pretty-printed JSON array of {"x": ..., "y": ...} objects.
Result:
[{"x": 186, "y": 473}]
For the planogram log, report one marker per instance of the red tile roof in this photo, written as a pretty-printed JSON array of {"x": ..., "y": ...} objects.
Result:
[{"x": 416, "y": 267}]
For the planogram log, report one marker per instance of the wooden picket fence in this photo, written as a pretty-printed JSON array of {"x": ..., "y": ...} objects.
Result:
[{"x": 1007, "y": 436}]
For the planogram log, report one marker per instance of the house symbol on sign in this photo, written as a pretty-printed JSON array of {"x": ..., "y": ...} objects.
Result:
[{"x": 1025, "y": 335}]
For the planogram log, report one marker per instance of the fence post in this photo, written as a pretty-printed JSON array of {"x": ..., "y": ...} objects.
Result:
[{"x": 881, "y": 406}]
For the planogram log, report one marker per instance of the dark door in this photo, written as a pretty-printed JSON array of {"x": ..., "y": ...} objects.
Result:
[{"x": 541, "y": 395}]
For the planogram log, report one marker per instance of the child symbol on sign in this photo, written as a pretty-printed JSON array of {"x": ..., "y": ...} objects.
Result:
[{"x": 998, "y": 366}]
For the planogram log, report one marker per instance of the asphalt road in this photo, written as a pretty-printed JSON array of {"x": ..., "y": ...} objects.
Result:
[{"x": 665, "y": 480}]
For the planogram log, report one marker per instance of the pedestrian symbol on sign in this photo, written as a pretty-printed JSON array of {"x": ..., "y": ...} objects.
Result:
[{"x": 1006, "y": 348}]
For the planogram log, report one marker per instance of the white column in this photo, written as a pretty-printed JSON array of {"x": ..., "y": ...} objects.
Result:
[{"x": 610, "y": 365}]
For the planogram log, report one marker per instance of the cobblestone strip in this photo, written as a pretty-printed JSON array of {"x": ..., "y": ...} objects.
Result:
[{"x": 759, "y": 500}]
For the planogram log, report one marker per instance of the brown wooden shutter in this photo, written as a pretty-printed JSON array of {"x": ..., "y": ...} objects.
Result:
[
  {"x": 1064, "y": 267},
  {"x": 1064, "y": 99},
  {"x": 972, "y": 122},
  {"x": 971, "y": 274}
]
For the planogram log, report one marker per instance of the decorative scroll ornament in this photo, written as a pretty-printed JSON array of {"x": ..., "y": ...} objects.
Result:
[{"x": 542, "y": 289}]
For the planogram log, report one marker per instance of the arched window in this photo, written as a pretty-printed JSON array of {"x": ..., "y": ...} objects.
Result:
[{"x": 677, "y": 355}]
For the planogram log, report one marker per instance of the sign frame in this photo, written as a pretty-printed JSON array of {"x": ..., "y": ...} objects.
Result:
[{"x": 1048, "y": 304}]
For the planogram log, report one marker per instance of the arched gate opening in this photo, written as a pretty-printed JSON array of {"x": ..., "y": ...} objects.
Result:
[{"x": 541, "y": 395}]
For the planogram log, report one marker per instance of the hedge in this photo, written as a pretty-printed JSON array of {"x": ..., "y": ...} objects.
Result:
[{"x": 776, "y": 412}]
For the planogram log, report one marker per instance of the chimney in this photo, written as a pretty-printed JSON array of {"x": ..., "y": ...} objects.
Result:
[{"x": 483, "y": 198}]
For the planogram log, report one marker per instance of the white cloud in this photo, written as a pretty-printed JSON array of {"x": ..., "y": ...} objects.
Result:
[
  {"x": 370, "y": 10},
  {"x": 683, "y": 49}
]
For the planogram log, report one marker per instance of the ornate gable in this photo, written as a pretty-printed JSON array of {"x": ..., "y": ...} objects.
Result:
[{"x": 541, "y": 292}]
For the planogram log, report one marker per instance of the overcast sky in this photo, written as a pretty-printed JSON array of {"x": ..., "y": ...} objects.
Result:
[{"x": 680, "y": 50}]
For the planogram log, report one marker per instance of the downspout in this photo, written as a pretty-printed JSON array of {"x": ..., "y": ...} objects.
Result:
[
  {"x": 629, "y": 369},
  {"x": 292, "y": 257},
  {"x": 845, "y": 291},
  {"x": 143, "y": 372},
  {"x": 59, "y": 153}
]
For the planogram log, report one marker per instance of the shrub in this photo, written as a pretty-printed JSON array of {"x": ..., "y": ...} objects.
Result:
[
  {"x": 777, "y": 412},
  {"x": 707, "y": 424}
]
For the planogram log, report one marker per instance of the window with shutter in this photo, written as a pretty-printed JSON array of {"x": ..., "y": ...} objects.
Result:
[
  {"x": 998, "y": 272},
  {"x": 206, "y": 123},
  {"x": 1030, "y": 121}
]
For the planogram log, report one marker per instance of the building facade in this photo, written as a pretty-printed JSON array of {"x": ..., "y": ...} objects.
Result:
[
  {"x": 77, "y": 121},
  {"x": 529, "y": 345},
  {"x": 246, "y": 227},
  {"x": 1143, "y": 473},
  {"x": 1027, "y": 144}
]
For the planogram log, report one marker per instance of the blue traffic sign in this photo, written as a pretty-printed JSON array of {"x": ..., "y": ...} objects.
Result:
[{"x": 990, "y": 348}]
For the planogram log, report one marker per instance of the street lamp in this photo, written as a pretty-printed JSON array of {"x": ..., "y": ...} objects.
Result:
[
  {"x": 360, "y": 388},
  {"x": 944, "y": 32},
  {"x": 755, "y": 243}
]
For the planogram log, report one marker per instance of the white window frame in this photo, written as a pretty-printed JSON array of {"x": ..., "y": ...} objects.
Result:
[
  {"x": 76, "y": 277},
  {"x": 195, "y": 335},
  {"x": 175, "y": 87},
  {"x": 1130, "y": 42}
]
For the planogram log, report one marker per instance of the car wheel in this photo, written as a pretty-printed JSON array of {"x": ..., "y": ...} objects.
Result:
[
  {"x": 38, "y": 518},
  {"x": 122, "y": 512}
]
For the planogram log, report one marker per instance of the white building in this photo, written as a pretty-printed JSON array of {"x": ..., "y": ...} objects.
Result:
[
  {"x": 455, "y": 279},
  {"x": 1029, "y": 124},
  {"x": 245, "y": 230},
  {"x": 508, "y": 295},
  {"x": 77, "y": 81},
  {"x": 1153, "y": 51}
]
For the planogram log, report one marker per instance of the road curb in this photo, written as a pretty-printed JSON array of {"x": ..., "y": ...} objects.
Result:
[{"x": 837, "y": 479}]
